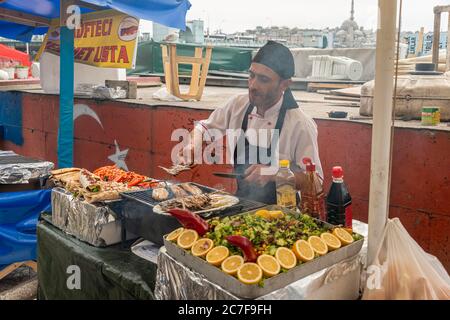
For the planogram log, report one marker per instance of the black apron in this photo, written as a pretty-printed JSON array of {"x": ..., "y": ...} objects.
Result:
[{"x": 266, "y": 194}]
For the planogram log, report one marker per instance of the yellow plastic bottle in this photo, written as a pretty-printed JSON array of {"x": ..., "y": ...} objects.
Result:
[{"x": 285, "y": 184}]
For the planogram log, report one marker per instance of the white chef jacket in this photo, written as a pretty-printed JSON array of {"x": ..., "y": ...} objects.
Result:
[{"x": 298, "y": 137}]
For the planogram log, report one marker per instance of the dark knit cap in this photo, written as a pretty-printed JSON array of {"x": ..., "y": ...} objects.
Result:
[{"x": 278, "y": 58}]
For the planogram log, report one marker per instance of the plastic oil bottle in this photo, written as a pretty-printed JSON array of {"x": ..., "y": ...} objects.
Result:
[
  {"x": 313, "y": 197},
  {"x": 285, "y": 184},
  {"x": 339, "y": 202}
]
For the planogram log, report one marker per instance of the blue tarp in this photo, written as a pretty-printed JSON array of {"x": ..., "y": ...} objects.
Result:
[
  {"x": 171, "y": 13},
  {"x": 19, "y": 212},
  {"x": 11, "y": 116}
]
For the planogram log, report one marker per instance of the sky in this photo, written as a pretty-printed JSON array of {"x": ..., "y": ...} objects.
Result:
[{"x": 238, "y": 15}]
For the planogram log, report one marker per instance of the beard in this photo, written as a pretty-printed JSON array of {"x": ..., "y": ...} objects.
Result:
[{"x": 265, "y": 100}]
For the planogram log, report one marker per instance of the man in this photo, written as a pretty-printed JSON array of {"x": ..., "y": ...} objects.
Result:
[{"x": 269, "y": 106}]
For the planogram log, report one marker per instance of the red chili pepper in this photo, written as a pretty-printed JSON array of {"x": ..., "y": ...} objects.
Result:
[
  {"x": 145, "y": 185},
  {"x": 120, "y": 177},
  {"x": 245, "y": 245},
  {"x": 135, "y": 181},
  {"x": 190, "y": 220}
]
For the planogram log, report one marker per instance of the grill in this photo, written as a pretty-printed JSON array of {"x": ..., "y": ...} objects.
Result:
[{"x": 138, "y": 217}]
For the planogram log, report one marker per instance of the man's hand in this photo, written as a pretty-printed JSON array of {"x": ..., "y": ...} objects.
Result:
[
  {"x": 253, "y": 175},
  {"x": 186, "y": 154}
]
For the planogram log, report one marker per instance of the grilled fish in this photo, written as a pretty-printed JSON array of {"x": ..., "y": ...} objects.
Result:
[
  {"x": 178, "y": 191},
  {"x": 192, "y": 189},
  {"x": 195, "y": 202}
]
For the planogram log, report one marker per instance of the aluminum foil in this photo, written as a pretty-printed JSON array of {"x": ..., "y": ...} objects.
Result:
[
  {"x": 20, "y": 173},
  {"x": 174, "y": 281},
  {"x": 87, "y": 222}
]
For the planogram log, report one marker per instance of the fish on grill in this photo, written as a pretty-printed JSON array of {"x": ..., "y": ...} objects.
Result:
[
  {"x": 192, "y": 189},
  {"x": 194, "y": 203},
  {"x": 178, "y": 192}
]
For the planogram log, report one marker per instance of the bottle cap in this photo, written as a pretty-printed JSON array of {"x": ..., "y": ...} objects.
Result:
[
  {"x": 337, "y": 172},
  {"x": 284, "y": 163},
  {"x": 310, "y": 166}
]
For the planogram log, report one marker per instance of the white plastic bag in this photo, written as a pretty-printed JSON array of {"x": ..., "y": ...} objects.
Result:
[
  {"x": 402, "y": 270},
  {"x": 163, "y": 95}
]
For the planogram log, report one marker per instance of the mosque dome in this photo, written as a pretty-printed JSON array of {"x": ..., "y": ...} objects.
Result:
[{"x": 349, "y": 24}]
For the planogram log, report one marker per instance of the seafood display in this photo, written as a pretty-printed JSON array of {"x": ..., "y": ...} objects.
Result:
[
  {"x": 105, "y": 183},
  {"x": 199, "y": 203}
]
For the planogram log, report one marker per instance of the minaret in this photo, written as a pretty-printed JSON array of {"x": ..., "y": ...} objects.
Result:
[{"x": 352, "y": 13}]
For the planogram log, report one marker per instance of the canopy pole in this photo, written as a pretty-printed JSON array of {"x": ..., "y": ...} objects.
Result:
[
  {"x": 436, "y": 38},
  {"x": 382, "y": 120},
  {"x": 66, "y": 83}
]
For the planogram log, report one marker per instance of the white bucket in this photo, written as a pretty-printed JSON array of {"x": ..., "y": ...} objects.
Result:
[
  {"x": 22, "y": 73},
  {"x": 4, "y": 75},
  {"x": 10, "y": 72}
]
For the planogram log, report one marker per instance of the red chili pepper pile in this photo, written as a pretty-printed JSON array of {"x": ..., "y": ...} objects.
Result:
[{"x": 132, "y": 179}]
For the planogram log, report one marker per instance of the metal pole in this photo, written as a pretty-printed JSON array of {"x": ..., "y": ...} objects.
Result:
[
  {"x": 382, "y": 119},
  {"x": 436, "y": 38},
  {"x": 447, "y": 62},
  {"x": 66, "y": 83},
  {"x": 419, "y": 48}
]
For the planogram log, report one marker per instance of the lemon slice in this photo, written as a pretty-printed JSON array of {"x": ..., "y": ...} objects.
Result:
[
  {"x": 345, "y": 237},
  {"x": 202, "y": 247},
  {"x": 250, "y": 273},
  {"x": 269, "y": 265},
  {"x": 263, "y": 213},
  {"x": 276, "y": 214},
  {"x": 231, "y": 264},
  {"x": 286, "y": 258},
  {"x": 319, "y": 246},
  {"x": 217, "y": 255},
  {"x": 187, "y": 238},
  {"x": 332, "y": 241},
  {"x": 174, "y": 234},
  {"x": 303, "y": 250}
]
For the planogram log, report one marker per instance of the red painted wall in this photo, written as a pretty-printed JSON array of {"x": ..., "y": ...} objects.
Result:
[{"x": 420, "y": 194}]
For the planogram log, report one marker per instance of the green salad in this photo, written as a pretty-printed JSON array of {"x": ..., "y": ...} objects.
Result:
[{"x": 265, "y": 234}]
